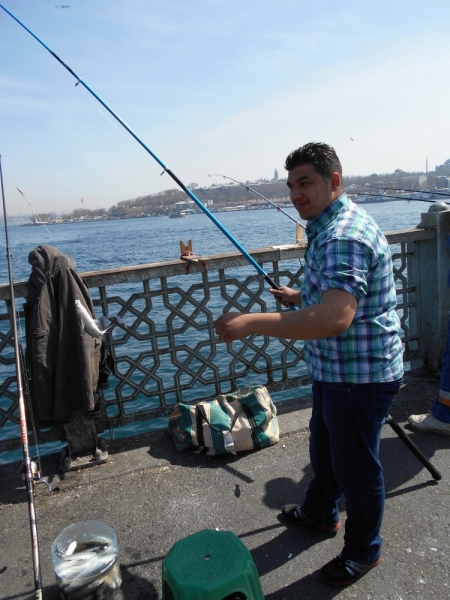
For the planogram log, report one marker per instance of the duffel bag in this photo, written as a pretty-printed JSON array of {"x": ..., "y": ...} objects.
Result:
[{"x": 230, "y": 423}]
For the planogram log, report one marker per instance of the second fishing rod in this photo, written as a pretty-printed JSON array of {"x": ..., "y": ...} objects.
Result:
[
  {"x": 27, "y": 463},
  {"x": 250, "y": 189},
  {"x": 169, "y": 172}
]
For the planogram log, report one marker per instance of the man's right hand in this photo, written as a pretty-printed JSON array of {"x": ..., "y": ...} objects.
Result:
[{"x": 287, "y": 296}]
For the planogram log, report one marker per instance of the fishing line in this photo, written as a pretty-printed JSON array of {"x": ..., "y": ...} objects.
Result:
[
  {"x": 102, "y": 113},
  {"x": 24, "y": 366},
  {"x": 242, "y": 250},
  {"x": 33, "y": 211},
  {"x": 249, "y": 189},
  {"x": 28, "y": 473},
  {"x": 25, "y": 382},
  {"x": 182, "y": 197}
]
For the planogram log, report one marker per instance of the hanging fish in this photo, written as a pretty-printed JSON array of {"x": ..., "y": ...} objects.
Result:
[{"x": 90, "y": 325}]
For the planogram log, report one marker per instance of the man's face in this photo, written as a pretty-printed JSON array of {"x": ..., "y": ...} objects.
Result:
[{"x": 310, "y": 193}]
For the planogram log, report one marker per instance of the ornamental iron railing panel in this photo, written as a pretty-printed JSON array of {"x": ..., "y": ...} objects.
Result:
[{"x": 163, "y": 342}]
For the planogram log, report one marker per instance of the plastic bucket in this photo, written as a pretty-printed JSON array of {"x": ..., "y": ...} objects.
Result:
[{"x": 85, "y": 560}]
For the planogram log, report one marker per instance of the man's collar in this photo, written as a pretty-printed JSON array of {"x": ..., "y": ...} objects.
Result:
[{"x": 313, "y": 226}]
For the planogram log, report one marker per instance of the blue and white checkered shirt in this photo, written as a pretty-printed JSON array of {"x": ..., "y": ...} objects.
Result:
[{"x": 347, "y": 250}]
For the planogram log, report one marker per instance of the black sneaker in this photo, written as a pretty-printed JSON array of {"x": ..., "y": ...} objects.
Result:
[
  {"x": 343, "y": 571},
  {"x": 294, "y": 514}
]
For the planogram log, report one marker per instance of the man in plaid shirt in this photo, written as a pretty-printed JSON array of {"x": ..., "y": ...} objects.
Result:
[{"x": 352, "y": 350}]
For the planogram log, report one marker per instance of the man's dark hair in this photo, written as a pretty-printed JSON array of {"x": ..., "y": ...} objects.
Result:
[{"x": 321, "y": 156}]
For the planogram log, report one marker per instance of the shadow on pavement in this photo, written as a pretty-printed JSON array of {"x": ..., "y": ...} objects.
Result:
[{"x": 285, "y": 546}]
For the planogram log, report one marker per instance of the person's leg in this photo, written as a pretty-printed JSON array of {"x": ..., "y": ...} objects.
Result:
[
  {"x": 438, "y": 420},
  {"x": 353, "y": 416},
  {"x": 441, "y": 408},
  {"x": 321, "y": 500},
  {"x": 441, "y": 412}
]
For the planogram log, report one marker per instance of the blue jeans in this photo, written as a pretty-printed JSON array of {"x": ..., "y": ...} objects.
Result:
[
  {"x": 344, "y": 444},
  {"x": 439, "y": 410}
]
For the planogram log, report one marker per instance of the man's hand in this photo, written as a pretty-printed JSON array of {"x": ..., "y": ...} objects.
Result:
[
  {"x": 232, "y": 326},
  {"x": 332, "y": 316},
  {"x": 287, "y": 296}
]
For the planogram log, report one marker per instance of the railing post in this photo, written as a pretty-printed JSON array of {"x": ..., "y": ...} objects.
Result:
[{"x": 434, "y": 301}]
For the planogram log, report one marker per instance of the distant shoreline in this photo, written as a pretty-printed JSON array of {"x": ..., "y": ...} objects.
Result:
[{"x": 198, "y": 212}]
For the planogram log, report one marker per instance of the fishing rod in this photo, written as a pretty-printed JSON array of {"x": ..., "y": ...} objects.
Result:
[
  {"x": 408, "y": 199},
  {"x": 249, "y": 189},
  {"x": 431, "y": 192},
  {"x": 370, "y": 195},
  {"x": 36, "y": 463},
  {"x": 242, "y": 250},
  {"x": 414, "y": 449},
  {"x": 29, "y": 475}
]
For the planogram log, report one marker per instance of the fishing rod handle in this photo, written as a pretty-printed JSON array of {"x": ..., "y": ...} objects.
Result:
[
  {"x": 274, "y": 286},
  {"x": 414, "y": 449}
]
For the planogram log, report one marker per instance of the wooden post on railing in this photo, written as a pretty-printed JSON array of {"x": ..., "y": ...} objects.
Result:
[{"x": 433, "y": 289}]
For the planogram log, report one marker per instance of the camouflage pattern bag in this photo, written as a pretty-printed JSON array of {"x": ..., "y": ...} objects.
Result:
[{"x": 230, "y": 423}]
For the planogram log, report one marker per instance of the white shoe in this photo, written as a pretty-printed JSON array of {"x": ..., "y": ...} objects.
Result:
[{"x": 429, "y": 423}]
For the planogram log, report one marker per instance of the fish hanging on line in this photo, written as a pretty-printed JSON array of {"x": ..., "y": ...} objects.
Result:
[{"x": 90, "y": 325}]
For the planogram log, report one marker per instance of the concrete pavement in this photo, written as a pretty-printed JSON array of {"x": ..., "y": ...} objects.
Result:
[{"x": 153, "y": 495}]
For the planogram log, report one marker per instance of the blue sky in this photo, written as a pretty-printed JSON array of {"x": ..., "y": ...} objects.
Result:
[{"x": 215, "y": 86}]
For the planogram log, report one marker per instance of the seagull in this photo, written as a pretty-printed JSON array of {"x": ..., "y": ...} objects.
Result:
[{"x": 352, "y": 139}]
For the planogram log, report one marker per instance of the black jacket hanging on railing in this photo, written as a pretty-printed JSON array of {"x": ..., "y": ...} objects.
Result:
[{"x": 63, "y": 363}]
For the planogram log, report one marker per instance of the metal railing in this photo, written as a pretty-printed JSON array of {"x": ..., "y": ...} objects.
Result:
[{"x": 164, "y": 347}]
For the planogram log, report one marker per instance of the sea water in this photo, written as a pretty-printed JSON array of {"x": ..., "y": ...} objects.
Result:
[{"x": 103, "y": 245}]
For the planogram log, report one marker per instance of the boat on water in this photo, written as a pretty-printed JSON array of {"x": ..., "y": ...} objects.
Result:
[
  {"x": 177, "y": 214},
  {"x": 36, "y": 220}
]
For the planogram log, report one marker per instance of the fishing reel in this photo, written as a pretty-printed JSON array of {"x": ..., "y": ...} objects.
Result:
[{"x": 36, "y": 475}]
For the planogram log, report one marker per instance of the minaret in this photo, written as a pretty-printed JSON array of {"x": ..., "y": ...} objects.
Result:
[{"x": 426, "y": 168}]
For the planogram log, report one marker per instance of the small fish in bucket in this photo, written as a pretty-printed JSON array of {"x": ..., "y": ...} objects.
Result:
[{"x": 85, "y": 560}]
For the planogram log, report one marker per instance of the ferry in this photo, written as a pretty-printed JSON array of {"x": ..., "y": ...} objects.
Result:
[{"x": 36, "y": 220}]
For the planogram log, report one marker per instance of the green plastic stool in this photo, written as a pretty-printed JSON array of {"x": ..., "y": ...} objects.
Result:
[{"x": 210, "y": 565}]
